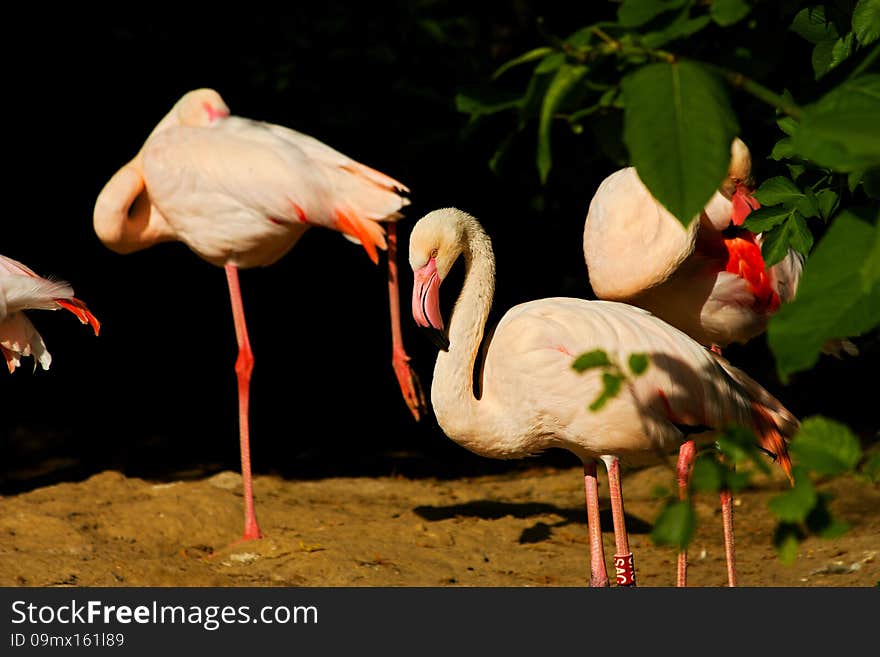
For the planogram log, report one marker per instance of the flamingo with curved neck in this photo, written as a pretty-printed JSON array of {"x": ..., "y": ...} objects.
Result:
[
  {"x": 241, "y": 193},
  {"x": 708, "y": 280},
  {"x": 531, "y": 398}
]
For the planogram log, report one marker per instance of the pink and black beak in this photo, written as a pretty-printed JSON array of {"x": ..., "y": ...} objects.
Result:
[{"x": 426, "y": 303}]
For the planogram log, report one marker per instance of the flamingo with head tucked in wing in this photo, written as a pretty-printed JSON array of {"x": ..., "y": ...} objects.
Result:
[
  {"x": 21, "y": 289},
  {"x": 708, "y": 280},
  {"x": 529, "y": 398},
  {"x": 240, "y": 193}
]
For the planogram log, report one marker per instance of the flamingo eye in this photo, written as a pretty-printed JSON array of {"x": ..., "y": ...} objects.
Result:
[{"x": 434, "y": 253}]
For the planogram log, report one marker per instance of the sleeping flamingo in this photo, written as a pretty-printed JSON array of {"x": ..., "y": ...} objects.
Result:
[
  {"x": 708, "y": 280},
  {"x": 240, "y": 193},
  {"x": 21, "y": 289},
  {"x": 529, "y": 397}
]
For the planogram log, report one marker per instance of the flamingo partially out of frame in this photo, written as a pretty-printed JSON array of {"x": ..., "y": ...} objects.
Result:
[
  {"x": 240, "y": 193},
  {"x": 21, "y": 289},
  {"x": 529, "y": 398},
  {"x": 709, "y": 280}
]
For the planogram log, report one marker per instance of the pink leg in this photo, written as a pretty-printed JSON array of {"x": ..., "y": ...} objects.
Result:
[
  {"x": 686, "y": 454},
  {"x": 244, "y": 364},
  {"x": 727, "y": 521},
  {"x": 623, "y": 558},
  {"x": 598, "y": 574},
  {"x": 729, "y": 547},
  {"x": 406, "y": 377}
]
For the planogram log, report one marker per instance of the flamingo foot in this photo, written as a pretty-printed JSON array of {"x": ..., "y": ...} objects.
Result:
[
  {"x": 251, "y": 531},
  {"x": 409, "y": 383}
]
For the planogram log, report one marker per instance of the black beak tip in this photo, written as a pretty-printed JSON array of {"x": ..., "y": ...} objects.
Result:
[{"x": 438, "y": 337}]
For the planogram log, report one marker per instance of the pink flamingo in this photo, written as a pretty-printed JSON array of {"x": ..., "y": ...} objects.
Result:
[
  {"x": 240, "y": 193},
  {"x": 21, "y": 289},
  {"x": 708, "y": 280},
  {"x": 529, "y": 398}
]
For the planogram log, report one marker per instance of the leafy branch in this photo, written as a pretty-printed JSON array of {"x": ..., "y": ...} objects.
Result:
[{"x": 613, "y": 375}]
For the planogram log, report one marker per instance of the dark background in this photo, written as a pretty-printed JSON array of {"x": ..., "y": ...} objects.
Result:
[{"x": 155, "y": 394}]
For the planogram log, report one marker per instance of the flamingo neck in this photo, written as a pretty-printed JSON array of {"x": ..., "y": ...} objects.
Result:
[
  {"x": 458, "y": 411},
  {"x": 124, "y": 218}
]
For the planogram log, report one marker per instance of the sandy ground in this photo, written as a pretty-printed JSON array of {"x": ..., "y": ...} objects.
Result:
[{"x": 521, "y": 528}]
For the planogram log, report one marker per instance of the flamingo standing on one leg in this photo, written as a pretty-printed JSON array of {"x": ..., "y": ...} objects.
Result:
[
  {"x": 240, "y": 193},
  {"x": 530, "y": 397},
  {"x": 709, "y": 280},
  {"x": 21, "y": 289}
]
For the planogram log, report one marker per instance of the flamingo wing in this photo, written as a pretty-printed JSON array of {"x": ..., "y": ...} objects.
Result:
[{"x": 684, "y": 388}]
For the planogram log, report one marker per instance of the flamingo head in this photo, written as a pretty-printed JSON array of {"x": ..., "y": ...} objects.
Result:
[
  {"x": 739, "y": 174},
  {"x": 434, "y": 245},
  {"x": 200, "y": 107}
]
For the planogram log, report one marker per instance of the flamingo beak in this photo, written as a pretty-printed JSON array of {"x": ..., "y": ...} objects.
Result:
[
  {"x": 426, "y": 303},
  {"x": 743, "y": 204}
]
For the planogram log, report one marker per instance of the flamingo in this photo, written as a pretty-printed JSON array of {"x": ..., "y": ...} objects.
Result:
[
  {"x": 22, "y": 289},
  {"x": 240, "y": 193},
  {"x": 529, "y": 398},
  {"x": 708, "y": 280}
]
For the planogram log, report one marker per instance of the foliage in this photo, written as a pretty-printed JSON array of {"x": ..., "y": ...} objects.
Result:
[
  {"x": 822, "y": 447},
  {"x": 613, "y": 375},
  {"x": 665, "y": 85},
  {"x": 653, "y": 67}
]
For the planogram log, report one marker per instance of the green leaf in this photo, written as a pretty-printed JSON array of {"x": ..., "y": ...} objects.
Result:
[
  {"x": 633, "y": 13},
  {"x": 841, "y": 50},
  {"x": 787, "y": 540},
  {"x": 500, "y": 156},
  {"x": 638, "y": 363},
  {"x": 681, "y": 27},
  {"x": 792, "y": 233},
  {"x": 795, "y": 504},
  {"x": 822, "y": 523},
  {"x": 827, "y": 55},
  {"x": 871, "y": 183},
  {"x": 675, "y": 525},
  {"x": 826, "y": 201},
  {"x": 565, "y": 79},
  {"x": 823, "y": 56},
  {"x": 811, "y": 24},
  {"x": 778, "y": 190},
  {"x": 807, "y": 206},
  {"x": 708, "y": 474},
  {"x": 825, "y": 446},
  {"x": 831, "y": 301},
  {"x": 783, "y": 150},
  {"x": 799, "y": 236},
  {"x": 611, "y": 383},
  {"x": 840, "y": 130},
  {"x": 678, "y": 126},
  {"x": 763, "y": 219},
  {"x": 550, "y": 63},
  {"x": 739, "y": 444},
  {"x": 525, "y": 58},
  {"x": 591, "y": 359},
  {"x": 531, "y": 102},
  {"x": 787, "y": 124},
  {"x": 866, "y": 21},
  {"x": 870, "y": 270},
  {"x": 485, "y": 102},
  {"x": 728, "y": 12},
  {"x": 795, "y": 170},
  {"x": 736, "y": 481}
]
